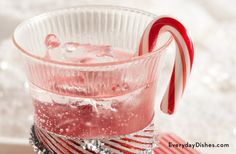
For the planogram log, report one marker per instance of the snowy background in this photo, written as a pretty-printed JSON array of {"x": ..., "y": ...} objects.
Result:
[{"x": 207, "y": 112}]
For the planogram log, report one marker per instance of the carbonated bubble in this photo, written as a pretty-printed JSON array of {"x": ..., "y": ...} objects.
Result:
[
  {"x": 120, "y": 87},
  {"x": 61, "y": 130}
]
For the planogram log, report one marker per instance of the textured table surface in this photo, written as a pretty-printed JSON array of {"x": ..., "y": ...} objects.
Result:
[{"x": 208, "y": 110}]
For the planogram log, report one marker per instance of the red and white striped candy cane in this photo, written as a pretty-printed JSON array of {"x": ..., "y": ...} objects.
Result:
[
  {"x": 131, "y": 144},
  {"x": 183, "y": 58}
]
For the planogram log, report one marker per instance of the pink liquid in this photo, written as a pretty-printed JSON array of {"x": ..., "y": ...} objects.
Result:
[{"x": 91, "y": 115}]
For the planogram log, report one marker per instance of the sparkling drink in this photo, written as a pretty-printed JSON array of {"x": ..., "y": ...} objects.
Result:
[
  {"x": 103, "y": 111},
  {"x": 96, "y": 96},
  {"x": 78, "y": 112},
  {"x": 91, "y": 91},
  {"x": 96, "y": 117}
]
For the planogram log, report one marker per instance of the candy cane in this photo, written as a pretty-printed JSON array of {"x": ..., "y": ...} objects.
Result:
[
  {"x": 129, "y": 144},
  {"x": 183, "y": 58},
  {"x": 75, "y": 147}
]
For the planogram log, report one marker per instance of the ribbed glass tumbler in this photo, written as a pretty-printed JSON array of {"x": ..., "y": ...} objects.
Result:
[{"x": 92, "y": 107}]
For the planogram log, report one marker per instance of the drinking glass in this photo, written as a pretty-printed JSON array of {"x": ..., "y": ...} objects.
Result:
[{"x": 94, "y": 107}]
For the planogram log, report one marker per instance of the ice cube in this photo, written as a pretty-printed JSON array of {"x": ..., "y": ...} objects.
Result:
[
  {"x": 86, "y": 53},
  {"x": 75, "y": 52}
]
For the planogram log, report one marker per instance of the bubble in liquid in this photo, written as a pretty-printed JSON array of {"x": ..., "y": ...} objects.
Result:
[
  {"x": 51, "y": 41},
  {"x": 120, "y": 87},
  {"x": 122, "y": 124},
  {"x": 61, "y": 130},
  {"x": 88, "y": 124},
  {"x": 42, "y": 120},
  {"x": 59, "y": 115}
]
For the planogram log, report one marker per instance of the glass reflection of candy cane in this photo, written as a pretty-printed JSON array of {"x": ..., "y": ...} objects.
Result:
[{"x": 183, "y": 58}]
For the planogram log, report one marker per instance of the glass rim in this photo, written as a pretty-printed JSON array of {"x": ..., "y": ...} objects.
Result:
[{"x": 158, "y": 51}]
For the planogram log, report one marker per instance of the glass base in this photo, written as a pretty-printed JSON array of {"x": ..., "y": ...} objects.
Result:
[{"x": 141, "y": 142}]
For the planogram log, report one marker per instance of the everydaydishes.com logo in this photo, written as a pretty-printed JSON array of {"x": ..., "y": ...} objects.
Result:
[{"x": 197, "y": 145}]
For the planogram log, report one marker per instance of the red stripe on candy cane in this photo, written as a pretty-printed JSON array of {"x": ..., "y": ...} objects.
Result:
[
  {"x": 79, "y": 147},
  {"x": 183, "y": 58},
  {"x": 127, "y": 145},
  {"x": 61, "y": 145},
  {"x": 50, "y": 145},
  {"x": 135, "y": 141},
  {"x": 118, "y": 148},
  {"x": 68, "y": 146},
  {"x": 45, "y": 143},
  {"x": 166, "y": 147},
  {"x": 56, "y": 143},
  {"x": 160, "y": 151}
]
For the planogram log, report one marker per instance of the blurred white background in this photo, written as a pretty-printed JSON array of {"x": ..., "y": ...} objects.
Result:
[{"x": 208, "y": 110}]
